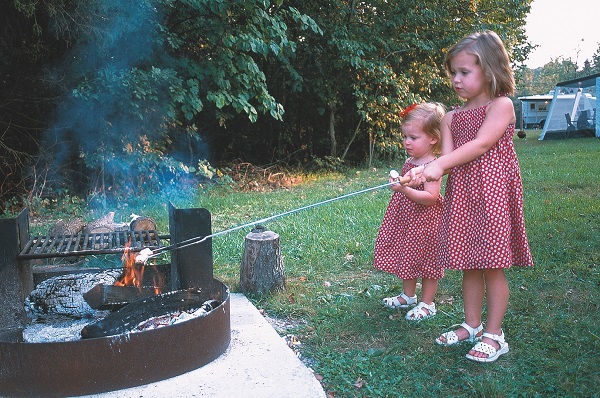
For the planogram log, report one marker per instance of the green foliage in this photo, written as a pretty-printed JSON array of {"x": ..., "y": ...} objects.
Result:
[
  {"x": 328, "y": 163},
  {"x": 139, "y": 74},
  {"x": 222, "y": 45},
  {"x": 207, "y": 172},
  {"x": 256, "y": 80},
  {"x": 542, "y": 80}
]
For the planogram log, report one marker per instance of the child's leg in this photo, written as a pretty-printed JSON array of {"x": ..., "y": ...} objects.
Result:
[
  {"x": 426, "y": 307},
  {"x": 473, "y": 291},
  {"x": 496, "y": 287},
  {"x": 409, "y": 286},
  {"x": 428, "y": 290},
  {"x": 406, "y": 299}
]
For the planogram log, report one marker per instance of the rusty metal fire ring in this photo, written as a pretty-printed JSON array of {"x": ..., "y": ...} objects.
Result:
[{"x": 111, "y": 363}]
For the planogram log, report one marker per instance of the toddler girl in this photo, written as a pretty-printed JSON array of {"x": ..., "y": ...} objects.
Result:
[{"x": 407, "y": 241}]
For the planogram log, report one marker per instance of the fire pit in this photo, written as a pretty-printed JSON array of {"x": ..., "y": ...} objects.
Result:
[{"x": 118, "y": 361}]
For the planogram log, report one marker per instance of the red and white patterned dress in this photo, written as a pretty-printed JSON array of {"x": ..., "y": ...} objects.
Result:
[
  {"x": 407, "y": 242},
  {"x": 482, "y": 222}
]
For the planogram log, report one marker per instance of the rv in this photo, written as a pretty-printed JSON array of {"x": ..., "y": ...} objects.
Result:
[{"x": 534, "y": 110}]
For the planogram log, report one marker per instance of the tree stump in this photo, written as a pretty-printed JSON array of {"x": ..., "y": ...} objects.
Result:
[{"x": 262, "y": 266}]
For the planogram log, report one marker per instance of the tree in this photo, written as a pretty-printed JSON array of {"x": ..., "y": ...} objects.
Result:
[
  {"x": 137, "y": 74},
  {"x": 144, "y": 90},
  {"x": 375, "y": 58}
]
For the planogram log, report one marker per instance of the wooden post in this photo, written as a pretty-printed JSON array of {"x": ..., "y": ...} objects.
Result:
[{"x": 262, "y": 266}]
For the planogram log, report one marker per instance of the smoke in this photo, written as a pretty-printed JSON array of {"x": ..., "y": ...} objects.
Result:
[{"x": 117, "y": 85}]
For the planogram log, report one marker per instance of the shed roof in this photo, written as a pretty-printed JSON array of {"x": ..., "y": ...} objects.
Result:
[
  {"x": 539, "y": 97},
  {"x": 585, "y": 81}
]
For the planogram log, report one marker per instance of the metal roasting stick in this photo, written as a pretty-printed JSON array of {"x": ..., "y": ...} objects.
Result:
[{"x": 199, "y": 239}]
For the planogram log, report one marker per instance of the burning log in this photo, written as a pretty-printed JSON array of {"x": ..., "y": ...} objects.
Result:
[
  {"x": 129, "y": 317},
  {"x": 111, "y": 297}
]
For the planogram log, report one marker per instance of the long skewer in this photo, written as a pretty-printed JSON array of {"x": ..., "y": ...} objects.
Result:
[{"x": 146, "y": 254}]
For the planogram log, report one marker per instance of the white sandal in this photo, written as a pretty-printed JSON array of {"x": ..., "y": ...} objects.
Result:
[
  {"x": 393, "y": 302},
  {"x": 451, "y": 338},
  {"x": 417, "y": 313},
  {"x": 490, "y": 350}
]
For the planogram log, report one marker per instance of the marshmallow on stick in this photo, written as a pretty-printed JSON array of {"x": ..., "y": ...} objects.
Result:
[
  {"x": 142, "y": 257},
  {"x": 394, "y": 175}
]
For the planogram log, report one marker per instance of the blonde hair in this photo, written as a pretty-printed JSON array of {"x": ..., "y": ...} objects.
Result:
[
  {"x": 429, "y": 115},
  {"x": 491, "y": 57}
]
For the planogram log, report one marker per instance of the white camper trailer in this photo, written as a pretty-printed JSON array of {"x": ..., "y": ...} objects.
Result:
[
  {"x": 573, "y": 110},
  {"x": 534, "y": 110}
]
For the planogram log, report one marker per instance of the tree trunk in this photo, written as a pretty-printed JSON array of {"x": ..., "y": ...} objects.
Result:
[
  {"x": 332, "y": 140},
  {"x": 352, "y": 139},
  {"x": 262, "y": 266}
]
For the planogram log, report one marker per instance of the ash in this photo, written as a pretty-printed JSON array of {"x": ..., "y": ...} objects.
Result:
[
  {"x": 174, "y": 318},
  {"x": 65, "y": 330}
]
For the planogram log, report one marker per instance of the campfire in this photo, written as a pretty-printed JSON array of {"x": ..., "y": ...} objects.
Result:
[
  {"x": 129, "y": 286},
  {"x": 133, "y": 273},
  {"x": 173, "y": 312}
]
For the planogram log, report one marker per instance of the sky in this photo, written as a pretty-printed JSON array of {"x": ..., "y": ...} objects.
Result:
[{"x": 563, "y": 28}]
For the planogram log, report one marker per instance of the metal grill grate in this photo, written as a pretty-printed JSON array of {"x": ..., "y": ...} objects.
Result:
[{"x": 88, "y": 244}]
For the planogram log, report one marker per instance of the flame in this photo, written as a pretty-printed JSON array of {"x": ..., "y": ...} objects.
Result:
[
  {"x": 133, "y": 273},
  {"x": 158, "y": 280}
]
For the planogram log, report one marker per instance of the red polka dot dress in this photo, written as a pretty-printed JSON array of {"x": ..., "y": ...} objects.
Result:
[
  {"x": 482, "y": 222},
  {"x": 407, "y": 242}
]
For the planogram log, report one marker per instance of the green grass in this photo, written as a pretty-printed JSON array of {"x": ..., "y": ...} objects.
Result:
[
  {"x": 364, "y": 350},
  {"x": 552, "y": 321}
]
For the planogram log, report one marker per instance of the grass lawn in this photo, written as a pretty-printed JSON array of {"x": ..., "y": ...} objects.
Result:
[
  {"x": 361, "y": 349},
  {"x": 364, "y": 350}
]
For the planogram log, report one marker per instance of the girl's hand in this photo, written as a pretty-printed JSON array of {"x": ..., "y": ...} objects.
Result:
[
  {"x": 396, "y": 185},
  {"x": 415, "y": 175},
  {"x": 432, "y": 172}
]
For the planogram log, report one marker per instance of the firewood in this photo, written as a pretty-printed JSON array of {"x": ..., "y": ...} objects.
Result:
[
  {"x": 142, "y": 223},
  {"x": 102, "y": 224},
  {"x": 111, "y": 297},
  {"x": 129, "y": 317},
  {"x": 63, "y": 295},
  {"x": 61, "y": 228}
]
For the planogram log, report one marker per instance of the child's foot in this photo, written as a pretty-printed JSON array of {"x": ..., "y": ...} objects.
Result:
[
  {"x": 421, "y": 311},
  {"x": 490, "y": 348},
  {"x": 401, "y": 301},
  {"x": 464, "y": 333}
]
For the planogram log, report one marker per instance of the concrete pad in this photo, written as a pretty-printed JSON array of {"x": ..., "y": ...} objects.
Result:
[{"x": 258, "y": 363}]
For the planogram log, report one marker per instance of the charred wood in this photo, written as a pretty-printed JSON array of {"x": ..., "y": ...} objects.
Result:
[
  {"x": 110, "y": 297},
  {"x": 129, "y": 317},
  {"x": 63, "y": 295}
]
